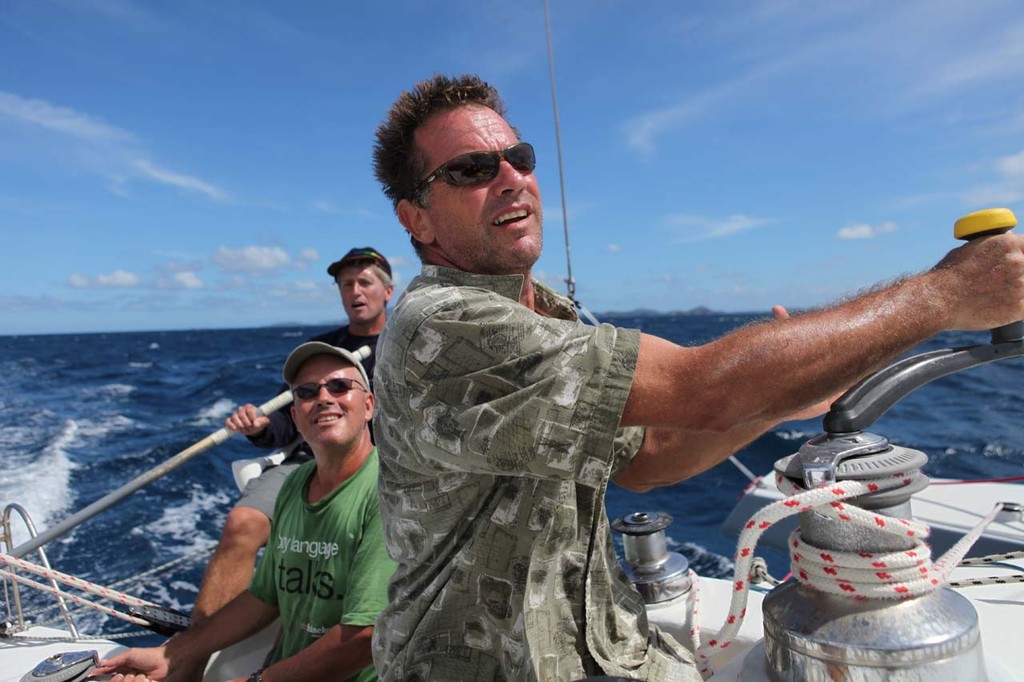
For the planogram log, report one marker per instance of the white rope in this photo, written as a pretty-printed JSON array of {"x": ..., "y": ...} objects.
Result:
[
  {"x": 138, "y": 581},
  {"x": 992, "y": 560},
  {"x": 891, "y": 575},
  {"x": 78, "y": 583},
  {"x": 71, "y": 581},
  {"x": 73, "y": 597}
]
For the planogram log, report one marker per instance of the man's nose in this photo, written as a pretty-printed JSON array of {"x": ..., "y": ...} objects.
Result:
[
  {"x": 320, "y": 391},
  {"x": 509, "y": 179}
]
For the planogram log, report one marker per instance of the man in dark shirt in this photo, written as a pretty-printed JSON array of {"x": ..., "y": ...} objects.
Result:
[{"x": 363, "y": 277}]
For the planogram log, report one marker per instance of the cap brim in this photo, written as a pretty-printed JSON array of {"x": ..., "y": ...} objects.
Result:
[
  {"x": 381, "y": 262},
  {"x": 307, "y": 350}
]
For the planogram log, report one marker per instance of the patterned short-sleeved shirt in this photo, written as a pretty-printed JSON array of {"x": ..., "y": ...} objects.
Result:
[{"x": 497, "y": 434}]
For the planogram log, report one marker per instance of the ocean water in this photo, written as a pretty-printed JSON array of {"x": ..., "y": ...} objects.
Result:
[{"x": 82, "y": 414}]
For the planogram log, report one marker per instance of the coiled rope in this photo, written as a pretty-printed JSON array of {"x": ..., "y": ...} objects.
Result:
[{"x": 863, "y": 575}]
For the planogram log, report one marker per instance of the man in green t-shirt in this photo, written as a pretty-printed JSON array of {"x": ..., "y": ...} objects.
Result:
[{"x": 325, "y": 569}]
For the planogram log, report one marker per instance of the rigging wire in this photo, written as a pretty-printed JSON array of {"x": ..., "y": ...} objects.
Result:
[{"x": 569, "y": 280}]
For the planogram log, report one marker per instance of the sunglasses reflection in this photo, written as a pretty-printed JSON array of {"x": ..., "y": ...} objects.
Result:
[
  {"x": 477, "y": 167},
  {"x": 336, "y": 387}
]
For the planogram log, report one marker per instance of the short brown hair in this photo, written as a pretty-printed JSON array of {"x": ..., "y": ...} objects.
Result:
[{"x": 397, "y": 163}]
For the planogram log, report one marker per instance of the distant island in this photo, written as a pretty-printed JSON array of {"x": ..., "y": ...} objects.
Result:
[{"x": 646, "y": 312}]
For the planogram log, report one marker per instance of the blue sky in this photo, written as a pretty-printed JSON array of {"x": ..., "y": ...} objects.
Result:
[{"x": 198, "y": 164}]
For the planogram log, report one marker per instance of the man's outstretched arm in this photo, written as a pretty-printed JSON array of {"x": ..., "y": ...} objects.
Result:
[{"x": 746, "y": 382}]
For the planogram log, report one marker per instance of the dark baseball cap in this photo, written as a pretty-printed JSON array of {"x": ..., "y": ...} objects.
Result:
[{"x": 362, "y": 254}]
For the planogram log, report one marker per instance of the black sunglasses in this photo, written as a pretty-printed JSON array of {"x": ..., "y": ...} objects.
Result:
[
  {"x": 336, "y": 387},
  {"x": 477, "y": 167}
]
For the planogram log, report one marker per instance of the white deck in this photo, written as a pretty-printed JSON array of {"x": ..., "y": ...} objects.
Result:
[
  {"x": 950, "y": 509},
  {"x": 1000, "y": 611}
]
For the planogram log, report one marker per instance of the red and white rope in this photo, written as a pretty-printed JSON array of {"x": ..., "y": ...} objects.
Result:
[
  {"x": 71, "y": 581},
  {"x": 73, "y": 597},
  {"x": 890, "y": 575}
]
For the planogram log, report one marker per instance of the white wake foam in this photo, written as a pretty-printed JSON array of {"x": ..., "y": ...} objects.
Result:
[
  {"x": 215, "y": 414},
  {"x": 40, "y": 483},
  {"x": 178, "y": 528},
  {"x": 101, "y": 428}
]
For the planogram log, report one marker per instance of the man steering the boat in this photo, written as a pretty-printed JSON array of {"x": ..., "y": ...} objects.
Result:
[
  {"x": 325, "y": 569},
  {"x": 501, "y": 418},
  {"x": 363, "y": 278}
]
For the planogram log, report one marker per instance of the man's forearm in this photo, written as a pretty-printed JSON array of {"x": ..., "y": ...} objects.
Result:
[
  {"x": 669, "y": 456},
  {"x": 339, "y": 654},
  {"x": 240, "y": 618},
  {"x": 761, "y": 373}
]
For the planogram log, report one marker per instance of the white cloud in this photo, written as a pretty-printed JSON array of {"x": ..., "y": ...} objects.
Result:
[
  {"x": 1008, "y": 187},
  {"x": 304, "y": 291},
  {"x": 1012, "y": 166},
  {"x": 922, "y": 54},
  {"x": 250, "y": 259},
  {"x": 186, "y": 182},
  {"x": 305, "y": 258},
  {"x": 699, "y": 228},
  {"x": 614, "y": 248},
  {"x": 187, "y": 280},
  {"x": 58, "y": 119},
  {"x": 864, "y": 230},
  {"x": 1000, "y": 56},
  {"x": 643, "y": 130},
  {"x": 116, "y": 279},
  {"x": 328, "y": 206},
  {"x": 106, "y": 150},
  {"x": 179, "y": 278}
]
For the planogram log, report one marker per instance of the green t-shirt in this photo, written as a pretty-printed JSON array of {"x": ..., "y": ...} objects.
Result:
[{"x": 325, "y": 563}]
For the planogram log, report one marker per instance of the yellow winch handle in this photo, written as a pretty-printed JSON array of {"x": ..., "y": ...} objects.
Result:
[
  {"x": 979, "y": 224},
  {"x": 988, "y": 221}
]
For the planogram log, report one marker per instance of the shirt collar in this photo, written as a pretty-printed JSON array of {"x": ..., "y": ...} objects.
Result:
[{"x": 547, "y": 301}]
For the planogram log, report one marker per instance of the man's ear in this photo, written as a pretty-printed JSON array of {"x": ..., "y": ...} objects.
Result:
[
  {"x": 416, "y": 221},
  {"x": 371, "y": 401}
]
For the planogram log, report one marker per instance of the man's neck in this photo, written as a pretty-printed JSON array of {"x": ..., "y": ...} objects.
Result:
[
  {"x": 334, "y": 467},
  {"x": 372, "y": 328},
  {"x": 527, "y": 294}
]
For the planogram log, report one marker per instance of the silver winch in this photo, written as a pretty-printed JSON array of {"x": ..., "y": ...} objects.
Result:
[
  {"x": 69, "y": 666},
  {"x": 813, "y": 635},
  {"x": 658, "y": 574}
]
